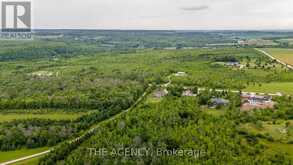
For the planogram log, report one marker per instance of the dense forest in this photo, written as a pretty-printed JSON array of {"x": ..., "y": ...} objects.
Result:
[{"x": 175, "y": 123}]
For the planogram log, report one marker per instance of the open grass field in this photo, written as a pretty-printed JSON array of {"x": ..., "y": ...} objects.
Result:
[
  {"x": 283, "y": 87},
  {"x": 275, "y": 147},
  {"x": 276, "y": 131},
  {"x": 33, "y": 161},
  {"x": 214, "y": 112},
  {"x": 11, "y": 155},
  {"x": 7, "y": 117},
  {"x": 285, "y": 55}
]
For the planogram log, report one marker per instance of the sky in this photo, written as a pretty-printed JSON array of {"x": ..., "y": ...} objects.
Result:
[{"x": 164, "y": 14}]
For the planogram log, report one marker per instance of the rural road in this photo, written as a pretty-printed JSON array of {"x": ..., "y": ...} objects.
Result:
[
  {"x": 273, "y": 58},
  {"x": 92, "y": 130}
]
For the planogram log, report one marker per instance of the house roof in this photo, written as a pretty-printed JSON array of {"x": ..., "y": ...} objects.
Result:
[
  {"x": 220, "y": 101},
  {"x": 256, "y": 97},
  {"x": 232, "y": 63}
]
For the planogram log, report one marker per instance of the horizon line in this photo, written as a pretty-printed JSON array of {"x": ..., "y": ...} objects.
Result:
[{"x": 118, "y": 29}]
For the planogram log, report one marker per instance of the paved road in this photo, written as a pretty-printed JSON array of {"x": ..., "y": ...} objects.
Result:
[
  {"x": 270, "y": 56},
  {"x": 92, "y": 130}
]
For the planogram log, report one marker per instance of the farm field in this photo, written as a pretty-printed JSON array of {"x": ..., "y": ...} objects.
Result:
[
  {"x": 273, "y": 88},
  {"x": 285, "y": 55},
  {"x": 11, "y": 155},
  {"x": 7, "y": 117}
]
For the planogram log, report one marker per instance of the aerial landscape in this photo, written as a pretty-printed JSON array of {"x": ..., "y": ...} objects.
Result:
[
  {"x": 85, "y": 96},
  {"x": 66, "y": 91}
]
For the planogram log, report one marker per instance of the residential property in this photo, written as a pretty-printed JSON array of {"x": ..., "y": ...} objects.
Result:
[
  {"x": 189, "y": 92},
  {"x": 252, "y": 101},
  {"x": 218, "y": 102},
  {"x": 160, "y": 93},
  {"x": 235, "y": 64}
]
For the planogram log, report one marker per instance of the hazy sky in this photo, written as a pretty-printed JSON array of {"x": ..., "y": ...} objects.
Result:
[{"x": 164, "y": 14}]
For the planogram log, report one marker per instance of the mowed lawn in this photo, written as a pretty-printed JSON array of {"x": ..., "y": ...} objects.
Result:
[
  {"x": 285, "y": 55},
  {"x": 283, "y": 87},
  {"x": 12, "y": 155},
  {"x": 7, "y": 117}
]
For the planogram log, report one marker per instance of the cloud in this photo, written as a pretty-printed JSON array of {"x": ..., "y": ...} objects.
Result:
[{"x": 195, "y": 8}]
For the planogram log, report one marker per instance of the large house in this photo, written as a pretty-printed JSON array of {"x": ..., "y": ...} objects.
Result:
[{"x": 253, "y": 101}]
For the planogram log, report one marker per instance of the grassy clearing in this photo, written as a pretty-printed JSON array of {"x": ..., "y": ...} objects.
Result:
[
  {"x": 285, "y": 55},
  {"x": 283, "y": 87},
  {"x": 7, "y": 117},
  {"x": 274, "y": 130},
  {"x": 151, "y": 99},
  {"x": 214, "y": 112},
  {"x": 275, "y": 147},
  {"x": 278, "y": 131},
  {"x": 11, "y": 155},
  {"x": 33, "y": 161}
]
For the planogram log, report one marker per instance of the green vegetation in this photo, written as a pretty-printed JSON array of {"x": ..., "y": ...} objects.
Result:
[
  {"x": 7, "y": 117},
  {"x": 157, "y": 122},
  {"x": 274, "y": 87},
  {"x": 157, "y": 125},
  {"x": 278, "y": 131},
  {"x": 275, "y": 147},
  {"x": 33, "y": 161},
  {"x": 276, "y": 136},
  {"x": 215, "y": 112},
  {"x": 56, "y": 89},
  {"x": 286, "y": 41},
  {"x": 11, "y": 155}
]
